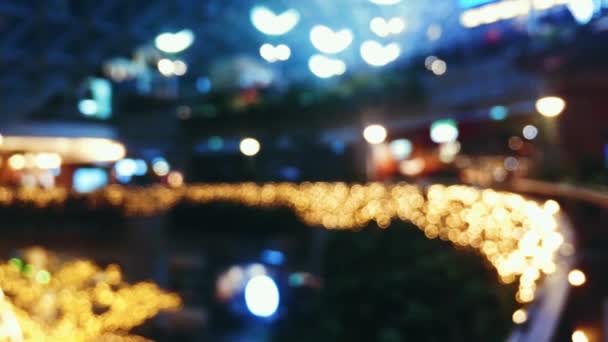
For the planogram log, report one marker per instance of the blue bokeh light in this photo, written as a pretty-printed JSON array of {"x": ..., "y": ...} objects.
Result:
[
  {"x": 273, "y": 257},
  {"x": 89, "y": 179},
  {"x": 499, "y": 113}
]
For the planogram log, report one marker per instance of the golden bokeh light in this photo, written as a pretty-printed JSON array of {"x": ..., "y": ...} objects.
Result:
[
  {"x": 520, "y": 316},
  {"x": 579, "y": 336},
  {"x": 16, "y": 162},
  {"x": 519, "y": 237},
  {"x": 76, "y": 301}
]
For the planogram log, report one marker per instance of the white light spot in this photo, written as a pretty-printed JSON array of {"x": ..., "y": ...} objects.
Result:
[{"x": 262, "y": 296}]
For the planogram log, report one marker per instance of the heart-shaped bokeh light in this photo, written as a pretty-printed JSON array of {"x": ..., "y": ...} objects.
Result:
[
  {"x": 271, "y": 53},
  {"x": 326, "y": 67},
  {"x": 328, "y": 41},
  {"x": 375, "y": 54},
  {"x": 267, "y": 22}
]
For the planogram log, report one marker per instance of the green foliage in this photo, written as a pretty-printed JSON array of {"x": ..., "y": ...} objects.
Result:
[{"x": 395, "y": 285}]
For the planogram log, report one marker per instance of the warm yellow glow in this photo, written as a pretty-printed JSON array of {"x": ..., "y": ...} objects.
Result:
[
  {"x": 16, "y": 162},
  {"x": 550, "y": 106},
  {"x": 552, "y": 207},
  {"x": 517, "y": 236},
  {"x": 250, "y": 147},
  {"x": 10, "y": 331},
  {"x": 175, "y": 179},
  {"x": 579, "y": 336},
  {"x": 412, "y": 167},
  {"x": 520, "y": 316},
  {"x": 374, "y": 134},
  {"x": 77, "y": 150},
  {"x": 48, "y": 161},
  {"x": 577, "y": 278},
  {"x": 77, "y": 301}
]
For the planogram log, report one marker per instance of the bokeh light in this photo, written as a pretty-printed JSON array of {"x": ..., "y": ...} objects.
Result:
[
  {"x": 577, "y": 278},
  {"x": 579, "y": 336},
  {"x": 10, "y": 331},
  {"x": 448, "y": 151},
  {"x": 42, "y": 285},
  {"x": 530, "y": 132},
  {"x": 550, "y": 106},
  {"x": 374, "y": 134},
  {"x": 174, "y": 42},
  {"x": 16, "y": 161},
  {"x": 326, "y": 67},
  {"x": 125, "y": 167},
  {"x": 582, "y": 10},
  {"x": 161, "y": 167},
  {"x": 552, "y": 207},
  {"x": 439, "y": 67},
  {"x": 262, "y": 296},
  {"x": 267, "y": 22},
  {"x": 250, "y": 147},
  {"x": 444, "y": 131},
  {"x": 383, "y": 28},
  {"x": 329, "y": 41},
  {"x": 401, "y": 148},
  {"x": 412, "y": 167},
  {"x": 166, "y": 67},
  {"x": 376, "y": 54},
  {"x": 175, "y": 179},
  {"x": 499, "y": 113},
  {"x": 179, "y": 67},
  {"x": 516, "y": 143},
  {"x": 87, "y": 107},
  {"x": 48, "y": 161},
  {"x": 434, "y": 32},
  {"x": 504, "y": 10},
  {"x": 141, "y": 168},
  {"x": 273, "y": 54},
  {"x": 520, "y": 316}
]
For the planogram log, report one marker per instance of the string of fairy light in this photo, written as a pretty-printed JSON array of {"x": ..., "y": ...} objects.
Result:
[
  {"x": 50, "y": 299},
  {"x": 519, "y": 237}
]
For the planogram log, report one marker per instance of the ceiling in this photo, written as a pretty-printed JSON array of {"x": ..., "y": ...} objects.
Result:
[{"x": 47, "y": 47}]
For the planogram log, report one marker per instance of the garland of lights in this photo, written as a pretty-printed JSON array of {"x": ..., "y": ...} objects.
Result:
[
  {"x": 519, "y": 237},
  {"x": 52, "y": 300}
]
